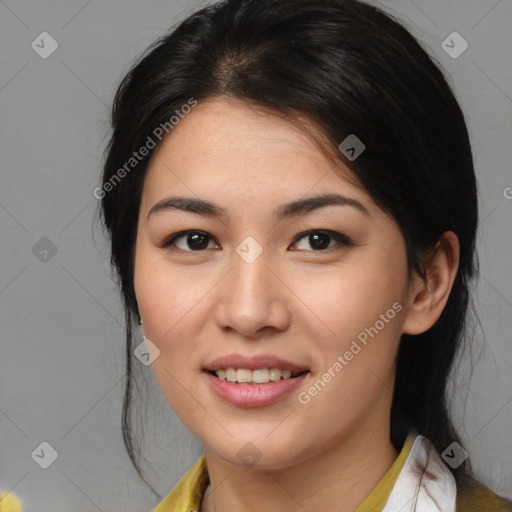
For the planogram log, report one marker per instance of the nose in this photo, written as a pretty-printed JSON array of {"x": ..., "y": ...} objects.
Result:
[{"x": 253, "y": 300}]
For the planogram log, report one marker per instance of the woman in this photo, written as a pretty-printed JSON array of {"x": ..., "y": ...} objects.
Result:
[{"x": 291, "y": 200}]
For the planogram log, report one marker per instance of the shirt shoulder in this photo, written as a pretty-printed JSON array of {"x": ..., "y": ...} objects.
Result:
[
  {"x": 472, "y": 496},
  {"x": 188, "y": 493}
]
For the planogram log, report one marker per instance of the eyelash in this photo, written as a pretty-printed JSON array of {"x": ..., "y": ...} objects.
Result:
[{"x": 341, "y": 239}]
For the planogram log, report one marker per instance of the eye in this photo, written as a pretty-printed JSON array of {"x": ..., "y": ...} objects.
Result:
[
  {"x": 320, "y": 239},
  {"x": 197, "y": 241},
  {"x": 194, "y": 241}
]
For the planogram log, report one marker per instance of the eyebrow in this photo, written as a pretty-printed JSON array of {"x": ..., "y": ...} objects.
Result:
[{"x": 301, "y": 206}]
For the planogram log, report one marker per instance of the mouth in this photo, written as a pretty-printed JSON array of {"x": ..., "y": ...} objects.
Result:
[
  {"x": 256, "y": 386},
  {"x": 259, "y": 376}
]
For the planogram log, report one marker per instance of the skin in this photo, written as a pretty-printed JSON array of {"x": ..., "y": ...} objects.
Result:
[{"x": 302, "y": 304}]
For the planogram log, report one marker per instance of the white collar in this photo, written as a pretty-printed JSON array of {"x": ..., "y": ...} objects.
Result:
[{"x": 412, "y": 492}]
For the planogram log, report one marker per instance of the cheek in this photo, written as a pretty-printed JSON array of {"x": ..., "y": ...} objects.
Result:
[
  {"x": 355, "y": 367},
  {"x": 353, "y": 316},
  {"x": 165, "y": 296},
  {"x": 172, "y": 305},
  {"x": 341, "y": 302},
  {"x": 168, "y": 305}
]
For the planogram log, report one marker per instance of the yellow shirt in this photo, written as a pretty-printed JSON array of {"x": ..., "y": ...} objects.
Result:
[{"x": 188, "y": 493}]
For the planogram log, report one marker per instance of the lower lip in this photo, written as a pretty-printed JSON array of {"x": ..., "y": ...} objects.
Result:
[{"x": 253, "y": 395}]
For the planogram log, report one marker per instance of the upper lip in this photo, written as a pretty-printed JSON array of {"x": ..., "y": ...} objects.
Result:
[{"x": 253, "y": 363}]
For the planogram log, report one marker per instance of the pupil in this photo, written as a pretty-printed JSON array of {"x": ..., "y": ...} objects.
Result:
[
  {"x": 195, "y": 237},
  {"x": 321, "y": 240}
]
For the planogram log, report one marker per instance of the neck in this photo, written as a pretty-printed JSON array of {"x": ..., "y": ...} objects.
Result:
[{"x": 344, "y": 475}]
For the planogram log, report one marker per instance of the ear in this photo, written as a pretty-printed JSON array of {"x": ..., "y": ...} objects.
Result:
[{"x": 424, "y": 307}]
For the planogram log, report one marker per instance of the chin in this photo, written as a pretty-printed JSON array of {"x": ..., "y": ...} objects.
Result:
[{"x": 262, "y": 454}]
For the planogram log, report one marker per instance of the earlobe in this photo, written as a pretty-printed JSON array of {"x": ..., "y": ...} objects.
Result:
[{"x": 429, "y": 296}]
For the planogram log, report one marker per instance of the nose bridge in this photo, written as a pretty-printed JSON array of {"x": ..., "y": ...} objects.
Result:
[
  {"x": 253, "y": 297},
  {"x": 250, "y": 280}
]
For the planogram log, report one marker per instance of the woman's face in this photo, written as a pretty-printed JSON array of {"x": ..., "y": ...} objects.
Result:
[{"x": 260, "y": 280}]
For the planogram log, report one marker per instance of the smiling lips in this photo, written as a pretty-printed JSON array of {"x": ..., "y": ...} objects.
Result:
[
  {"x": 253, "y": 381},
  {"x": 258, "y": 369}
]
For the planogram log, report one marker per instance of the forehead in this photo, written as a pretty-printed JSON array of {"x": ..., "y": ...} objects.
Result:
[{"x": 241, "y": 151}]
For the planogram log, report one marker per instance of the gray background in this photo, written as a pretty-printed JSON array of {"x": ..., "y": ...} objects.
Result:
[{"x": 62, "y": 345}]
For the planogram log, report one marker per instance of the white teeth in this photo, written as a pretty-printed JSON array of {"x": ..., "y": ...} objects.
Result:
[
  {"x": 275, "y": 374},
  {"x": 230, "y": 374},
  {"x": 243, "y": 375},
  {"x": 259, "y": 376}
]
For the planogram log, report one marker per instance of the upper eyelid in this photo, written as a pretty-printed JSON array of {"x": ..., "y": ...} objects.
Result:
[{"x": 330, "y": 232}]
